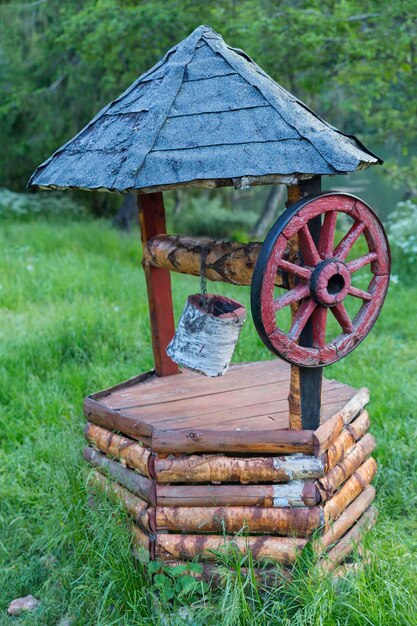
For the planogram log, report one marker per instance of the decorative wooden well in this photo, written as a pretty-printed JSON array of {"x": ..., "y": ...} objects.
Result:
[{"x": 271, "y": 447}]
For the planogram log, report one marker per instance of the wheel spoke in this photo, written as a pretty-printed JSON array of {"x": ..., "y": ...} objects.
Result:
[
  {"x": 319, "y": 319},
  {"x": 295, "y": 270},
  {"x": 345, "y": 246},
  {"x": 293, "y": 295},
  {"x": 357, "y": 264},
  {"x": 308, "y": 247},
  {"x": 359, "y": 293},
  {"x": 342, "y": 316},
  {"x": 326, "y": 240},
  {"x": 301, "y": 318}
]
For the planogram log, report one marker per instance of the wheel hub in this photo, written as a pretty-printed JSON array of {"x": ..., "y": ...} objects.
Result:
[{"x": 330, "y": 282}]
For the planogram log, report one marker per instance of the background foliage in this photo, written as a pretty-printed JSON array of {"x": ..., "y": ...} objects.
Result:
[{"x": 353, "y": 61}]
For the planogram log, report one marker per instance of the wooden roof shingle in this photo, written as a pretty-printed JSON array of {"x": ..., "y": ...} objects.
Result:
[{"x": 205, "y": 114}]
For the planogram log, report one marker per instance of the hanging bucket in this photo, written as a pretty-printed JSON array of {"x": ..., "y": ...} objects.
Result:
[{"x": 207, "y": 333}]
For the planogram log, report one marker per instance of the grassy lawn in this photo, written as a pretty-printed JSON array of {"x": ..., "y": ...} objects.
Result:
[{"x": 73, "y": 320}]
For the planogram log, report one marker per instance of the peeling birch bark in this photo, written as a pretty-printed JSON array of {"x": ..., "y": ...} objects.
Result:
[
  {"x": 346, "y": 466},
  {"x": 206, "y": 336},
  {"x": 349, "y": 491},
  {"x": 290, "y": 521},
  {"x": 206, "y": 468},
  {"x": 123, "y": 449},
  {"x": 225, "y": 261}
]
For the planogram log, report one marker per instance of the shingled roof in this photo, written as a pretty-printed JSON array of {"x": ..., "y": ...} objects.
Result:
[{"x": 205, "y": 114}]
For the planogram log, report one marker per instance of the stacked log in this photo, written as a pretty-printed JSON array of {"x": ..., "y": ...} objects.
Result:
[{"x": 186, "y": 504}]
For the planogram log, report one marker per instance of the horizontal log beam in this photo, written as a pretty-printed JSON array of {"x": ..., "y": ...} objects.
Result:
[
  {"x": 357, "y": 483},
  {"x": 177, "y": 547},
  {"x": 227, "y": 261},
  {"x": 219, "y": 468},
  {"x": 212, "y": 573},
  {"x": 328, "y": 432},
  {"x": 119, "y": 447},
  {"x": 290, "y": 521},
  {"x": 135, "y": 507},
  {"x": 295, "y": 493},
  {"x": 349, "y": 516},
  {"x": 133, "y": 481},
  {"x": 347, "y": 438}
]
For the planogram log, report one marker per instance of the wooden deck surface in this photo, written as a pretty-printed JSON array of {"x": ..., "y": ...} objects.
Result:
[{"x": 250, "y": 397}]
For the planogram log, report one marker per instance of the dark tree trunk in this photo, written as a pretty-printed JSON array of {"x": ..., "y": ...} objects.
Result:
[
  {"x": 127, "y": 215},
  {"x": 269, "y": 212}
]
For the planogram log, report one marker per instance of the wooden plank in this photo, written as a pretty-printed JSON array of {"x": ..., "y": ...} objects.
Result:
[
  {"x": 253, "y": 417},
  {"x": 295, "y": 493},
  {"x": 137, "y": 484},
  {"x": 121, "y": 387},
  {"x": 205, "y": 440},
  {"x": 289, "y": 521},
  {"x": 101, "y": 415},
  {"x": 158, "y": 283},
  {"x": 232, "y": 402},
  {"x": 192, "y": 385}
]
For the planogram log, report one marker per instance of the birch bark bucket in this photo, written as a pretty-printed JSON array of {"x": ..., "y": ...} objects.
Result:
[{"x": 207, "y": 333}]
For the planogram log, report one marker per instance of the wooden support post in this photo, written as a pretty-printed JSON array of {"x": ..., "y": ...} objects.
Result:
[
  {"x": 305, "y": 385},
  {"x": 158, "y": 283}
]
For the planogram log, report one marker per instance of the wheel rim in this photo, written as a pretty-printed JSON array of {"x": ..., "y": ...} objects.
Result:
[{"x": 324, "y": 279}]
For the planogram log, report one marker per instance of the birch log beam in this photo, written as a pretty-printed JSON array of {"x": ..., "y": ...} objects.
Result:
[
  {"x": 346, "y": 466},
  {"x": 347, "y": 438},
  {"x": 133, "y": 481},
  {"x": 226, "y": 261},
  {"x": 186, "y": 547},
  {"x": 349, "y": 516},
  {"x": 345, "y": 546},
  {"x": 349, "y": 491},
  {"x": 290, "y": 521},
  {"x": 207, "y": 468},
  {"x": 296, "y": 493},
  {"x": 121, "y": 448},
  {"x": 211, "y": 572}
]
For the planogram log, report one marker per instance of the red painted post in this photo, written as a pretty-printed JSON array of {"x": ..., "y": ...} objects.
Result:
[{"x": 158, "y": 283}]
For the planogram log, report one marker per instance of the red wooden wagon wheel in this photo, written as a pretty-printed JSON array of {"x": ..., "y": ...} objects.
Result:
[{"x": 322, "y": 279}]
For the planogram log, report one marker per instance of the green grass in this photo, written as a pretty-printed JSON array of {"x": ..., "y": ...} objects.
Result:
[{"x": 73, "y": 320}]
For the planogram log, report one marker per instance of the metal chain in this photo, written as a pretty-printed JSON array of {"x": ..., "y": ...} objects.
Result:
[{"x": 203, "y": 279}]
